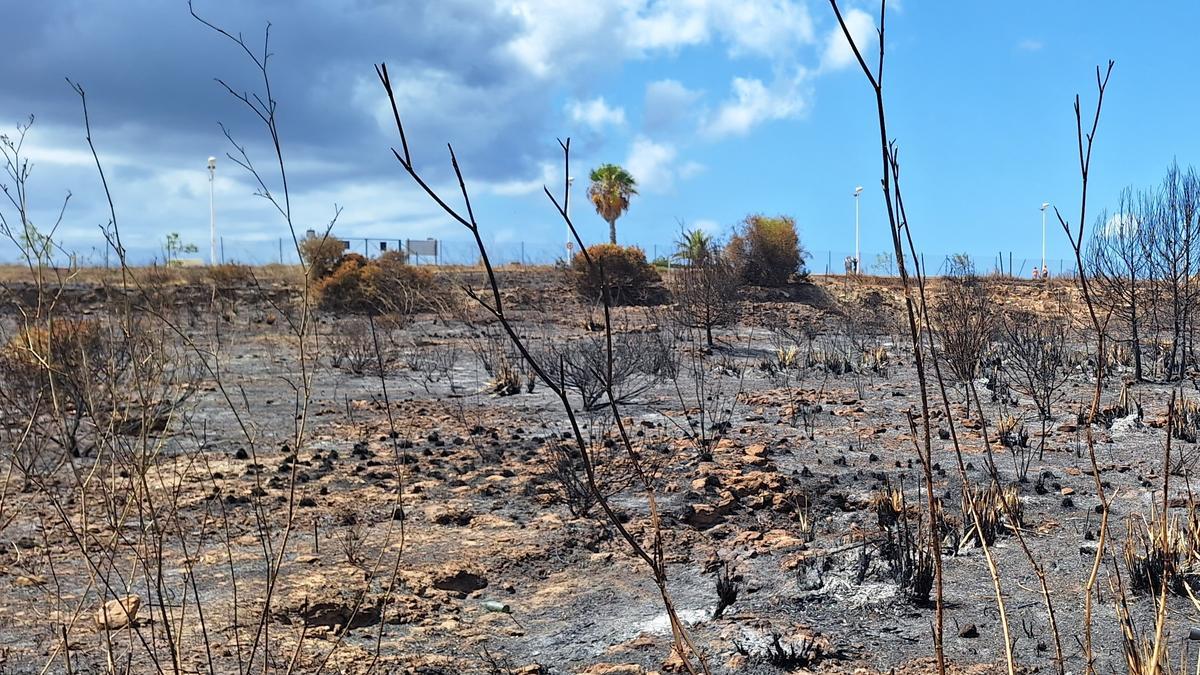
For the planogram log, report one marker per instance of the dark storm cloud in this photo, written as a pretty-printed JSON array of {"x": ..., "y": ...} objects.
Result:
[{"x": 148, "y": 67}]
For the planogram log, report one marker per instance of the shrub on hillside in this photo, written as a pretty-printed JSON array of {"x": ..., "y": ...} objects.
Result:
[
  {"x": 631, "y": 280},
  {"x": 321, "y": 255},
  {"x": 386, "y": 285},
  {"x": 766, "y": 250}
]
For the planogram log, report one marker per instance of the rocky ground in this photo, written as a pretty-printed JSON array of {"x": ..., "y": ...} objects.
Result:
[{"x": 424, "y": 524}]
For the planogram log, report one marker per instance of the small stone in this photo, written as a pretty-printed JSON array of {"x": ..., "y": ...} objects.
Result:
[
  {"x": 118, "y": 613},
  {"x": 702, "y": 516},
  {"x": 969, "y": 631}
]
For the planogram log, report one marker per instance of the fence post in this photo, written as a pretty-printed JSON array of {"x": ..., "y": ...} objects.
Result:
[
  {"x": 222, "y": 249},
  {"x": 281, "y": 250}
]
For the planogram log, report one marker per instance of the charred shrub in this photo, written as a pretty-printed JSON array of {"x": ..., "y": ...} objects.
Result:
[
  {"x": 565, "y": 480},
  {"x": 706, "y": 294},
  {"x": 728, "y": 587},
  {"x": 356, "y": 349},
  {"x": 60, "y": 372},
  {"x": 787, "y": 656},
  {"x": 1163, "y": 549},
  {"x": 630, "y": 279},
  {"x": 906, "y": 544},
  {"x": 589, "y": 369},
  {"x": 766, "y": 251}
]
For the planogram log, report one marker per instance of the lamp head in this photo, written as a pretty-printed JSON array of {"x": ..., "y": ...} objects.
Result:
[
  {"x": 212, "y": 163},
  {"x": 857, "y": 190},
  {"x": 1045, "y": 205}
]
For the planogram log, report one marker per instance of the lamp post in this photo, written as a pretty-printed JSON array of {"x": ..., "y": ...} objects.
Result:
[
  {"x": 570, "y": 244},
  {"x": 857, "y": 253},
  {"x": 1045, "y": 205},
  {"x": 212, "y": 212}
]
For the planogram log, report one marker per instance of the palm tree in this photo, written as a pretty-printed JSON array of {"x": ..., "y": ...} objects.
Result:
[
  {"x": 694, "y": 247},
  {"x": 611, "y": 188}
]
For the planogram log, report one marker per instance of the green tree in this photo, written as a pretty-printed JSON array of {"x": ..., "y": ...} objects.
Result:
[
  {"x": 174, "y": 246},
  {"x": 611, "y": 188}
]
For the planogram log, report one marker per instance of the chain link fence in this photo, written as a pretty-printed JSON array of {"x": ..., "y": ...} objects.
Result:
[{"x": 282, "y": 250}]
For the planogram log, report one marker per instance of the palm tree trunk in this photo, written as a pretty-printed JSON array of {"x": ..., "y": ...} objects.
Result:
[{"x": 612, "y": 231}]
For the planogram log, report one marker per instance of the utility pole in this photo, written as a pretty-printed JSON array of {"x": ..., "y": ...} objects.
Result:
[
  {"x": 212, "y": 212},
  {"x": 857, "y": 252}
]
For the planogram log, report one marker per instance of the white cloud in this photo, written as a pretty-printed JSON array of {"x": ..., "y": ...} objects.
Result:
[
  {"x": 753, "y": 103},
  {"x": 551, "y": 177},
  {"x": 654, "y": 166},
  {"x": 751, "y": 27},
  {"x": 595, "y": 113},
  {"x": 667, "y": 102},
  {"x": 712, "y": 227},
  {"x": 1030, "y": 45},
  {"x": 838, "y": 53},
  {"x": 560, "y": 36}
]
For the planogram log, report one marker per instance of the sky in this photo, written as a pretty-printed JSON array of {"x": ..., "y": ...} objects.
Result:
[{"x": 718, "y": 109}]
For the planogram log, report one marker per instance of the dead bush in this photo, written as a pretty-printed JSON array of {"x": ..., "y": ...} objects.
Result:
[
  {"x": 1185, "y": 420},
  {"x": 386, "y": 285},
  {"x": 321, "y": 255},
  {"x": 353, "y": 349},
  {"x": 583, "y": 366},
  {"x": 706, "y": 294},
  {"x": 992, "y": 506},
  {"x": 567, "y": 480},
  {"x": 906, "y": 544},
  {"x": 1034, "y": 360},
  {"x": 60, "y": 373},
  {"x": 964, "y": 325},
  {"x": 506, "y": 368},
  {"x": 1158, "y": 552},
  {"x": 766, "y": 251},
  {"x": 789, "y": 656},
  {"x": 630, "y": 279}
]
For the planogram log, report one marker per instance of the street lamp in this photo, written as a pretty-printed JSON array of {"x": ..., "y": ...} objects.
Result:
[
  {"x": 212, "y": 213},
  {"x": 857, "y": 253},
  {"x": 570, "y": 242},
  {"x": 1045, "y": 205}
]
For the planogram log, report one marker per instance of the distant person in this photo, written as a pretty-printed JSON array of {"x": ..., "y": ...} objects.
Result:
[
  {"x": 1035, "y": 273},
  {"x": 851, "y": 265},
  {"x": 1045, "y": 272}
]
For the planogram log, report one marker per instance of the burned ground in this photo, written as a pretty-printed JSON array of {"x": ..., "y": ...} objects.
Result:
[{"x": 428, "y": 524}]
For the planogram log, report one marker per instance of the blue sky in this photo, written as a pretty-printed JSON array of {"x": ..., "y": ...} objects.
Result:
[{"x": 719, "y": 109}]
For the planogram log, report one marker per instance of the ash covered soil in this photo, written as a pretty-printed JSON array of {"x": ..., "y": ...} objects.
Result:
[{"x": 425, "y": 524}]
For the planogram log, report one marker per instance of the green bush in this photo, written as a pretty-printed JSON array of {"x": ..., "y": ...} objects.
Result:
[
  {"x": 631, "y": 280},
  {"x": 766, "y": 250}
]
